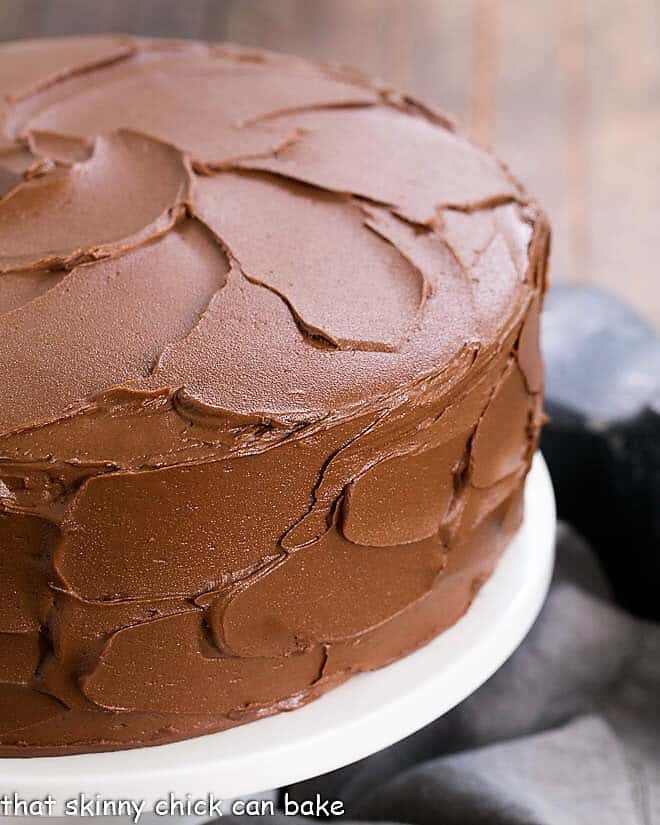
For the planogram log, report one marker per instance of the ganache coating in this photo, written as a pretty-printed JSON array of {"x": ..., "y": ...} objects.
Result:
[{"x": 270, "y": 383}]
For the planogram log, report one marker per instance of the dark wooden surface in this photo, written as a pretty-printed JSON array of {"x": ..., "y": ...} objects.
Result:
[{"x": 568, "y": 92}]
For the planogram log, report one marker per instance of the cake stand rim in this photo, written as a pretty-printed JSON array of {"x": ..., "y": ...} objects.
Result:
[{"x": 365, "y": 714}]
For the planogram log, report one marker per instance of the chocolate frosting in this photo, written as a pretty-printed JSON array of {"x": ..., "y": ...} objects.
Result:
[{"x": 270, "y": 383}]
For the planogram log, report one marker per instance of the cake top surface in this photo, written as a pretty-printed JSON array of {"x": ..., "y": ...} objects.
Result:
[{"x": 256, "y": 235}]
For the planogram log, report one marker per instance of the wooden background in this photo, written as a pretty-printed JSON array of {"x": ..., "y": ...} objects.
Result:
[{"x": 567, "y": 91}]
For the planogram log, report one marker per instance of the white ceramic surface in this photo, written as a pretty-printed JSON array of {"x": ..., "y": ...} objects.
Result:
[{"x": 369, "y": 712}]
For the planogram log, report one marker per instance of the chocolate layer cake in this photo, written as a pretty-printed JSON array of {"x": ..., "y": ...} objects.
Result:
[{"x": 269, "y": 384}]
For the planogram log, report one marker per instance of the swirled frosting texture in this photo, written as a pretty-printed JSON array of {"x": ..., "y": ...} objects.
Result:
[{"x": 269, "y": 383}]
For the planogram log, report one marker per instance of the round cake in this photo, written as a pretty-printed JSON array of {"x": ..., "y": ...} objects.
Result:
[{"x": 270, "y": 384}]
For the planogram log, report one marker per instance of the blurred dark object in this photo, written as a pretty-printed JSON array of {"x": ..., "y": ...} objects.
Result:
[{"x": 602, "y": 443}]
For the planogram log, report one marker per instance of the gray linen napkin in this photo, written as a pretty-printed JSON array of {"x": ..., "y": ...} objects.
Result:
[{"x": 567, "y": 732}]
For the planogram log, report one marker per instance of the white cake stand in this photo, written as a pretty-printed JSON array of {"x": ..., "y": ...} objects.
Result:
[{"x": 369, "y": 712}]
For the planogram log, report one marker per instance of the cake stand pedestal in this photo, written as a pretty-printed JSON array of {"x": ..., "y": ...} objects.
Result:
[{"x": 364, "y": 715}]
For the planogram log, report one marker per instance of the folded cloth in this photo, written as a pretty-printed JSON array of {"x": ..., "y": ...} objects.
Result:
[{"x": 567, "y": 732}]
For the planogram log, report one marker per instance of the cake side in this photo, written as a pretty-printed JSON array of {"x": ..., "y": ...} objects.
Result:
[{"x": 270, "y": 377}]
